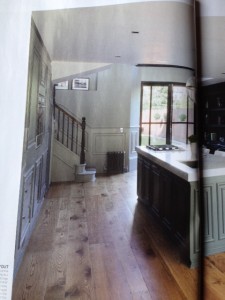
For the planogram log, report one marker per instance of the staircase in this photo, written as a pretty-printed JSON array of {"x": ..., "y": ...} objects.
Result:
[{"x": 71, "y": 133}]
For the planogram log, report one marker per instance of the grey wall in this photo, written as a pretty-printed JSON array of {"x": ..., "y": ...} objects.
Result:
[
  {"x": 112, "y": 103},
  {"x": 106, "y": 106}
]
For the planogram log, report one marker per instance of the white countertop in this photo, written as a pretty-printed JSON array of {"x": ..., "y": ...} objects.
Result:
[{"x": 213, "y": 164}]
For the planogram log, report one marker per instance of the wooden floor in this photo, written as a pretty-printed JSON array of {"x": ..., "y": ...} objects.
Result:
[{"x": 94, "y": 241}]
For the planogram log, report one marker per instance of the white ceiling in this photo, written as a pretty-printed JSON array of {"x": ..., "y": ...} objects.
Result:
[{"x": 103, "y": 34}]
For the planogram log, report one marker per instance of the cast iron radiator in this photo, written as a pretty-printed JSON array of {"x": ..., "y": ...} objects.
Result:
[{"x": 115, "y": 162}]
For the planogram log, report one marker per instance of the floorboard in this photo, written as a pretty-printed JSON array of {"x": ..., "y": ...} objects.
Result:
[{"x": 95, "y": 241}]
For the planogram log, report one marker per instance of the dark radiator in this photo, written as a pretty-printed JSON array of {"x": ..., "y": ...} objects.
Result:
[{"x": 115, "y": 162}]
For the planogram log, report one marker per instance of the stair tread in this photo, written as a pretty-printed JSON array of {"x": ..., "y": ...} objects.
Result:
[
  {"x": 87, "y": 172},
  {"x": 85, "y": 176}
]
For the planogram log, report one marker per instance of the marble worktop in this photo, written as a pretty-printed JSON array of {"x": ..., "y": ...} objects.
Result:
[{"x": 213, "y": 164}]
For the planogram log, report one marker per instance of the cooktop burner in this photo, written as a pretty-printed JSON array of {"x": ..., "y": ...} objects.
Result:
[{"x": 162, "y": 147}]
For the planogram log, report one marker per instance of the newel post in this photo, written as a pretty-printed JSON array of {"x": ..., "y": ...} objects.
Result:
[{"x": 82, "y": 154}]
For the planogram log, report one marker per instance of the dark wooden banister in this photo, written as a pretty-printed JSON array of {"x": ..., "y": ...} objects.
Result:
[
  {"x": 69, "y": 130},
  {"x": 68, "y": 114}
]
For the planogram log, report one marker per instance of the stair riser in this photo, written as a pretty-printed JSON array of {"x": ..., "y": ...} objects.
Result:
[
  {"x": 84, "y": 177},
  {"x": 80, "y": 168}
]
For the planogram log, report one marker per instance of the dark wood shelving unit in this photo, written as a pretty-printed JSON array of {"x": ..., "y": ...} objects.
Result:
[{"x": 213, "y": 113}]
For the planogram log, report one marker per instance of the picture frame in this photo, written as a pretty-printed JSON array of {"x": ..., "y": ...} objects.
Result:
[
  {"x": 64, "y": 85},
  {"x": 80, "y": 84}
]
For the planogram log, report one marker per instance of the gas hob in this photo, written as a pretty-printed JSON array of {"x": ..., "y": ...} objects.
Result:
[{"x": 162, "y": 147}]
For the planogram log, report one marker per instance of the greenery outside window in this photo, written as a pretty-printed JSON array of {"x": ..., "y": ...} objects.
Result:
[{"x": 167, "y": 114}]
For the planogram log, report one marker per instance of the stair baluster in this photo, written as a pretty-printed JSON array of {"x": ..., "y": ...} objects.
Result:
[
  {"x": 72, "y": 129},
  {"x": 70, "y": 132},
  {"x": 82, "y": 154}
]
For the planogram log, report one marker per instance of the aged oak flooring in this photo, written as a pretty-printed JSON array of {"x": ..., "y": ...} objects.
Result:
[{"x": 94, "y": 241}]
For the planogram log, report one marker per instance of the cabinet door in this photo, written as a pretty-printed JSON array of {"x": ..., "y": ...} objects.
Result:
[
  {"x": 27, "y": 203},
  {"x": 146, "y": 180},
  {"x": 140, "y": 178},
  {"x": 208, "y": 213},
  {"x": 44, "y": 174},
  {"x": 143, "y": 180},
  {"x": 33, "y": 95},
  {"x": 166, "y": 199},
  {"x": 181, "y": 209},
  {"x": 37, "y": 182},
  {"x": 155, "y": 189},
  {"x": 195, "y": 216},
  {"x": 221, "y": 210}
]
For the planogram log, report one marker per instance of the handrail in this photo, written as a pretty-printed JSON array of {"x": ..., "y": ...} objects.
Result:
[{"x": 68, "y": 114}]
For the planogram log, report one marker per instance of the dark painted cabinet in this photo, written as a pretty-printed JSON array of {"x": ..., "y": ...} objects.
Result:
[
  {"x": 166, "y": 199},
  {"x": 155, "y": 199},
  {"x": 180, "y": 203},
  {"x": 144, "y": 179},
  {"x": 174, "y": 202},
  {"x": 165, "y": 194},
  {"x": 213, "y": 102}
]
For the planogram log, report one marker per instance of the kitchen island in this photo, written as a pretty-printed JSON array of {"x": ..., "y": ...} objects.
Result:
[{"x": 167, "y": 184}]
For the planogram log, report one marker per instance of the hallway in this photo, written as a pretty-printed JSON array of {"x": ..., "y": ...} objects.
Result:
[{"x": 94, "y": 241}]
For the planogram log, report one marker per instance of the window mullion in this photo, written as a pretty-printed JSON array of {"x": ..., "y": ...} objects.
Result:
[
  {"x": 169, "y": 114},
  {"x": 187, "y": 129},
  {"x": 150, "y": 113},
  {"x": 141, "y": 122}
]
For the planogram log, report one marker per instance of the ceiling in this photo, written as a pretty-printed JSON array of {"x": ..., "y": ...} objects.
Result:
[{"x": 152, "y": 32}]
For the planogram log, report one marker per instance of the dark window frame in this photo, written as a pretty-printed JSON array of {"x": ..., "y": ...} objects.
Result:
[{"x": 169, "y": 122}]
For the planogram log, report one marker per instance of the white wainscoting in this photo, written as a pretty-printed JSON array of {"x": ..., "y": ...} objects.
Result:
[
  {"x": 134, "y": 141},
  {"x": 103, "y": 140}
]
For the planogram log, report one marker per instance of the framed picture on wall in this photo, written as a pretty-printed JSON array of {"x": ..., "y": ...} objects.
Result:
[
  {"x": 80, "y": 84},
  {"x": 62, "y": 85}
]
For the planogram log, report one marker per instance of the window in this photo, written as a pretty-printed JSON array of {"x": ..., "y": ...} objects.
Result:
[{"x": 167, "y": 115}]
